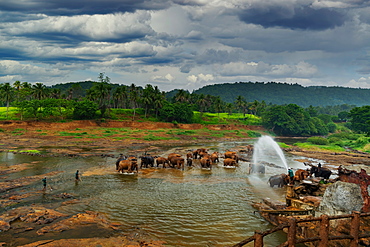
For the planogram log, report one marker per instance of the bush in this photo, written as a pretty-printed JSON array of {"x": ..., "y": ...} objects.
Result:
[
  {"x": 178, "y": 112},
  {"x": 253, "y": 134},
  {"x": 336, "y": 141},
  {"x": 345, "y": 136},
  {"x": 318, "y": 140},
  {"x": 362, "y": 141},
  {"x": 85, "y": 109},
  {"x": 332, "y": 127}
]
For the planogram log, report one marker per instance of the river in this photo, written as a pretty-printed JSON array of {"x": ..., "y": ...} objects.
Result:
[{"x": 194, "y": 207}]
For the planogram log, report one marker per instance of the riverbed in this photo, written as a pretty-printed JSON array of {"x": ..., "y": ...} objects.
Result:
[{"x": 190, "y": 207}]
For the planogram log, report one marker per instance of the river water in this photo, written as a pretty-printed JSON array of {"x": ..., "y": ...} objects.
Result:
[{"x": 194, "y": 207}]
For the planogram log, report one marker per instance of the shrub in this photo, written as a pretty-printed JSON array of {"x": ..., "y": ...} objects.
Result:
[
  {"x": 85, "y": 109},
  {"x": 318, "y": 140}
]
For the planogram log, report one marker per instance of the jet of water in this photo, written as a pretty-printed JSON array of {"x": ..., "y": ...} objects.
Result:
[{"x": 266, "y": 145}]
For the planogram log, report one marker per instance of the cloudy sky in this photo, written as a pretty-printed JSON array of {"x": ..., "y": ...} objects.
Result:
[{"x": 186, "y": 44}]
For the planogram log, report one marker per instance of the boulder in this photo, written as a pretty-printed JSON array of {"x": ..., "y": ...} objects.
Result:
[{"x": 341, "y": 198}]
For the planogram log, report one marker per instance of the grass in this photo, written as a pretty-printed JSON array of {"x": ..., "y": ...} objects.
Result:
[
  {"x": 225, "y": 118},
  {"x": 314, "y": 147}
]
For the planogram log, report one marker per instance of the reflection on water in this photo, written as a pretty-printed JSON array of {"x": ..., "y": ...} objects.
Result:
[{"x": 193, "y": 207}]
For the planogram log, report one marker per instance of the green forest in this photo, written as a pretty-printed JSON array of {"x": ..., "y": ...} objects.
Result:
[
  {"x": 103, "y": 100},
  {"x": 284, "y": 93}
]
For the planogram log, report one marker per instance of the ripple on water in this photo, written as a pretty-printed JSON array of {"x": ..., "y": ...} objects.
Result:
[{"x": 193, "y": 207}]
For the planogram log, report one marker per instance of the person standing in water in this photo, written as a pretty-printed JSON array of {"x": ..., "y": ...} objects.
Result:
[
  {"x": 77, "y": 175},
  {"x": 291, "y": 175},
  {"x": 44, "y": 183}
]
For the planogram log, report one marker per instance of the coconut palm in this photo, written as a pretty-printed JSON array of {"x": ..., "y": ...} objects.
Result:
[
  {"x": 182, "y": 96},
  {"x": 147, "y": 98},
  {"x": 7, "y": 94},
  {"x": 158, "y": 99},
  {"x": 39, "y": 91},
  {"x": 120, "y": 96},
  {"x": 17, "y": 86},
  {"x": 241, "y": 104},
  {"x": 134, "y": 97}
]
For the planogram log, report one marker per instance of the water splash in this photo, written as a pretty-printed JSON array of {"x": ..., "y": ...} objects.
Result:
[{"x": 267, "y": 146}]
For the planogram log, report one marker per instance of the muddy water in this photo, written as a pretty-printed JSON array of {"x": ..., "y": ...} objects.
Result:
[{"x": 193, "y": 207}]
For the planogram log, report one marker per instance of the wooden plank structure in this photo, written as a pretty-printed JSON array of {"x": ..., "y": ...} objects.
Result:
[{"x": 324, "y": 237}]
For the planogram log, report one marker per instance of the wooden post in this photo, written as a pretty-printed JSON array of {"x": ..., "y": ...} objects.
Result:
[
  {"x": 324, "y": 231},
  {"x": 292, "y": 231},
  {"x": 258, "y": 241},
  {"x": 355, "y": 228}
]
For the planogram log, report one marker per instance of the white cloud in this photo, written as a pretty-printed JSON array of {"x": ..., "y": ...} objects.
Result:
[
  {"x": 19, "y": 71},
  {"x": 363, "y": 82},
  {"x": 165, "y": 78},
  {"x": 302, "y": 69},
  {"x": 96, "y": 27}
]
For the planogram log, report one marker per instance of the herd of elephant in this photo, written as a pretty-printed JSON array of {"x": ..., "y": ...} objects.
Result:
[
  {"x": 283, "y": 179},
  {"x": 129, "y": 164}
]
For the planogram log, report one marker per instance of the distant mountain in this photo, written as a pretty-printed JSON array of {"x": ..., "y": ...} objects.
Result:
[{"x": 284, "y": 93}]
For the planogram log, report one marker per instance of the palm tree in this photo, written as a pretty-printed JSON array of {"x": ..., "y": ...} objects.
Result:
[
  {"x": 202, "y": 101},
  {"x": 219, "y": 106},
  {"x": 7, "y": 93},
  {"x": 134, "y": 97},
  {"x": 147, "y": 97},
  {"x": 39, "y": 91},
  {"x": 229, "y": 108},
  {"x": 26, "y": 90},
  {"x": 17, "y": 86},
  {"x": 100, "y": 92},
  {"x": 120, "y": 96},
  {"x": 159, "y": 98},
  {"x": 182, "y": 96},
  {"x": 55, "y": 93},
  {"x": 241, "y": 103}
]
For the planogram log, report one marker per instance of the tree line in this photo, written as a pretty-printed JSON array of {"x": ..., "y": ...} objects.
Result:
[
  {"x": 289, "y": 93},
  {"x": 38, "y": 101}
]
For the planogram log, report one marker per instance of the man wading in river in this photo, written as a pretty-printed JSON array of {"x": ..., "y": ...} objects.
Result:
[
  {"x": 291, "y": 175},
  {"x": 44, "y": 183},
  {"x": 78, "y": 176}
]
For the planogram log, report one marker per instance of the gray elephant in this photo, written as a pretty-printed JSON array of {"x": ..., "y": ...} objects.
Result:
[
  {"x": 256, "y": 168},
  {"x": 279, "y": 180}
]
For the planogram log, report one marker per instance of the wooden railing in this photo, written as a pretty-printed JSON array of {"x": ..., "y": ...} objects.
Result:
[{"x": 322, "y": 238}]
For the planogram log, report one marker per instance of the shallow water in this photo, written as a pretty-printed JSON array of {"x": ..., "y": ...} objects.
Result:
[{"x": 193, "y": 207}]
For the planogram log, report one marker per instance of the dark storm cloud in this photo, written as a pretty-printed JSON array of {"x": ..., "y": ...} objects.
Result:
[
  {"x": 300, "y": 17},
  {"x": 73, "y": 7}
]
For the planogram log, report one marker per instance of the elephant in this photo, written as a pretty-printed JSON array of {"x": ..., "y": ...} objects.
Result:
[
  {"x": 199, "y": 151},
  {"x": 189, "y": 161},
  {"x": 300, "y": 175},
  {"x": 214, "y": 157},
  {"x": 121, "y": 157},
  {"x": 162, "y": 161},
  {"x": 173, "y": 155},
  {"x": 205, "y": 162},
  {"x": 146, "y": 161},
  {"x": 320, "y": 172},
  {"x": 128, "y": 165},
  {"x": 229, "y": 162},
  {"x": 232, "y": 155},
  {"x": 189, "y": 155},
  {"x": 256, "y": 168},
  {"x": 280, "y": 180},
  {"x": 177, "y": 162},
  {"x": 229, "y": 154}
]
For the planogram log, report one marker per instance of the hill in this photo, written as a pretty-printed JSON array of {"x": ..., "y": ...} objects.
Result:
[
  {"x": 284, "y": 93},
  {"x": 270, "y": 92}
]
